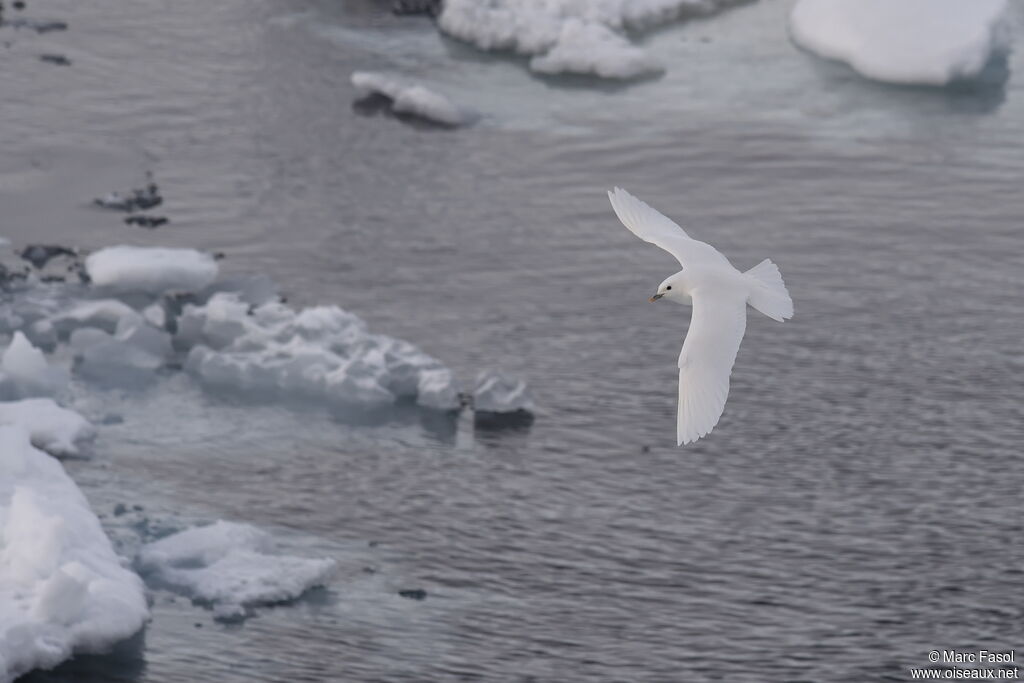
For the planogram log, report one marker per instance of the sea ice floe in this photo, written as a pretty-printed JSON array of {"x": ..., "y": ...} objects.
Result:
[
  {"x": 54, "y": 429},
  {"x": 413, "y": 99},
  {"x": 927, "y": 42},
  {"x": 63, "y": 590},
  {"x": 232, "y": 334},
  {"x": 569, "y": 35},
  {"x": 231, "y": 566},
  {"x": 322, "y": 353},
  {"x": 25, "y": 372},
  {"x": 497, "y": 393},
  {"x": 150, "y": 270},
  {"x": 105, "y": 314}
]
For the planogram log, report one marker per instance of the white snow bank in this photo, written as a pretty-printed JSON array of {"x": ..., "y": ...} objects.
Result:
[
  {"x": 576, "y": 36},
  {"x": 230, "y": 566},
  {"x": 62, "y": 588},
  {"x": 25, "y": 372},
  {"x": 498, "y": 393},
  {"x": 151, "y": 270},
  {"x": 54, "y": 429},
  {"x": 928, "y": 42},
  {"x": 321, "y": 353},
  {"x": 410, "y": 98}
]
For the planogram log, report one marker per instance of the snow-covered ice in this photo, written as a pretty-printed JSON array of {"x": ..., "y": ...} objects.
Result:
[
  {"x": 54, "y": 429},
  {"x": 593, "y": 48},
  {"x": 410, "y": 98},
  {"x": 25, "y": 372},
  {"x": 927, "y": 42},
  {"x": 322, "y": 353},
  {"x": 151, "y": 270},
  {"x": 499, "y": 393},
  {"x": 231, "y": 566},
  {"x": 62, "y": 587},
  {"x": 574, "y": 36}
]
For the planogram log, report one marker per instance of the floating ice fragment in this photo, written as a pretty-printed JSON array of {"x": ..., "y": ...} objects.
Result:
[
  {"x": 410, "y": 98},
  {"x": 56, "y": 430},
  {"x": 498, "y": 393},
  {"x": 151, "y": 270},
  {"x": 231, "y": 566},
  {"x": 116, "y": 361},
  {"x": 927, "y": 42},
  {"x": 321, "y": 353},
  {"x": 569, "y": 35},
  {"x": 24, "y": 371},
  {"x": 105, "y": 314},
  {"x": 436, "y": 389},
  {"x": 590, "y": 48}
]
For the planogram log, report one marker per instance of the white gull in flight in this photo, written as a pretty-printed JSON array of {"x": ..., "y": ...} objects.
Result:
[{"x": 719, "y": 295}]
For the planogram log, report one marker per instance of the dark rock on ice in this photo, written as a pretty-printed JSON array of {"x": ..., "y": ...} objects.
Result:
[
  {"x": 431, "y": 8},
  {"x": 144, "y": 221},
  {"x": 41, "y": 254},
  {"x": 59, "y": 60},
  {"x": 37, "y": 25},
  {"x": 138, "y": 199}
]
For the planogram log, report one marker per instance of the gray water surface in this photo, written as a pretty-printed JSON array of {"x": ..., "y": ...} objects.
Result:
[{"x": 857, "y": 506}]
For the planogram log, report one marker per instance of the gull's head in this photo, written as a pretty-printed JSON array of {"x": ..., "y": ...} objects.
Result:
[{"x": 670, "y": 290}]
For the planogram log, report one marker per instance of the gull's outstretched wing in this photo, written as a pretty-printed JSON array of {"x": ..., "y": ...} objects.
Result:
[
  {"x": 717, "y": 325},
  {"x": 652, "y": 226}
]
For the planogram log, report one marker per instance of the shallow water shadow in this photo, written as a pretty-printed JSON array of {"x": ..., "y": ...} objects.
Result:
[
  {"x": 124, "y": 664},
  {"x": 981, "y": 95}
]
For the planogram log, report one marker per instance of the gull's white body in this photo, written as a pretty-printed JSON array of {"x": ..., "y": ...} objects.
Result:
[{"x": 719, "y": 294}]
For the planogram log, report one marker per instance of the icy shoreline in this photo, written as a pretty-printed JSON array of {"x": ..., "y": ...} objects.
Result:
[{"x": 63, "y": 590}]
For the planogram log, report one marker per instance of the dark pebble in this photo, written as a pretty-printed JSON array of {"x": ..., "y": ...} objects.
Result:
[
  {"x": 40, "y": 254},
  {"x": 146, "y": 221},
  {"x": 414, "y": 594},
  {"x": 431, "y": 8},
  {"x": 59, "y": 60}
]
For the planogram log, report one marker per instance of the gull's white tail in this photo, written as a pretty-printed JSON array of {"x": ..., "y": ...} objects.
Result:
[{"x": 768, "y": 292}]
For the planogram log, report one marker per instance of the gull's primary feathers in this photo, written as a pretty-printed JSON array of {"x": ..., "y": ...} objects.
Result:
[{"x": 719, "y": 295}]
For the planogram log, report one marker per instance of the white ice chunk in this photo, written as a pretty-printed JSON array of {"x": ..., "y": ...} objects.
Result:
[
  {"x": 590, "y": 48},
  {"x": 152, "y": 270},
  {"x": 143, "y": 336},
  {"x": 216, "y": 324},
  {"x": 231, "y": 566},
  {"x": 410, "y": 98},
  {"x": 54, "y": 429},
  {"x": 62, "y": 588},
  {"x": 928, "y": 42},
  {"x": 437, "y": 390},
  {"x": 569, "y": 35},
  {"x": 498, "y": 393},
  {"x": 155, "y": 315},
  {"x": 321, "y": 353},
  {"x": 24, "y": 371},
  {"x": 115, "y": 361},
  {"x": 105, "y": 314}
]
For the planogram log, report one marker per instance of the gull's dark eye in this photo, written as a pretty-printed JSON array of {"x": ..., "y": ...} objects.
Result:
[{"x": 668, "y": 288}]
